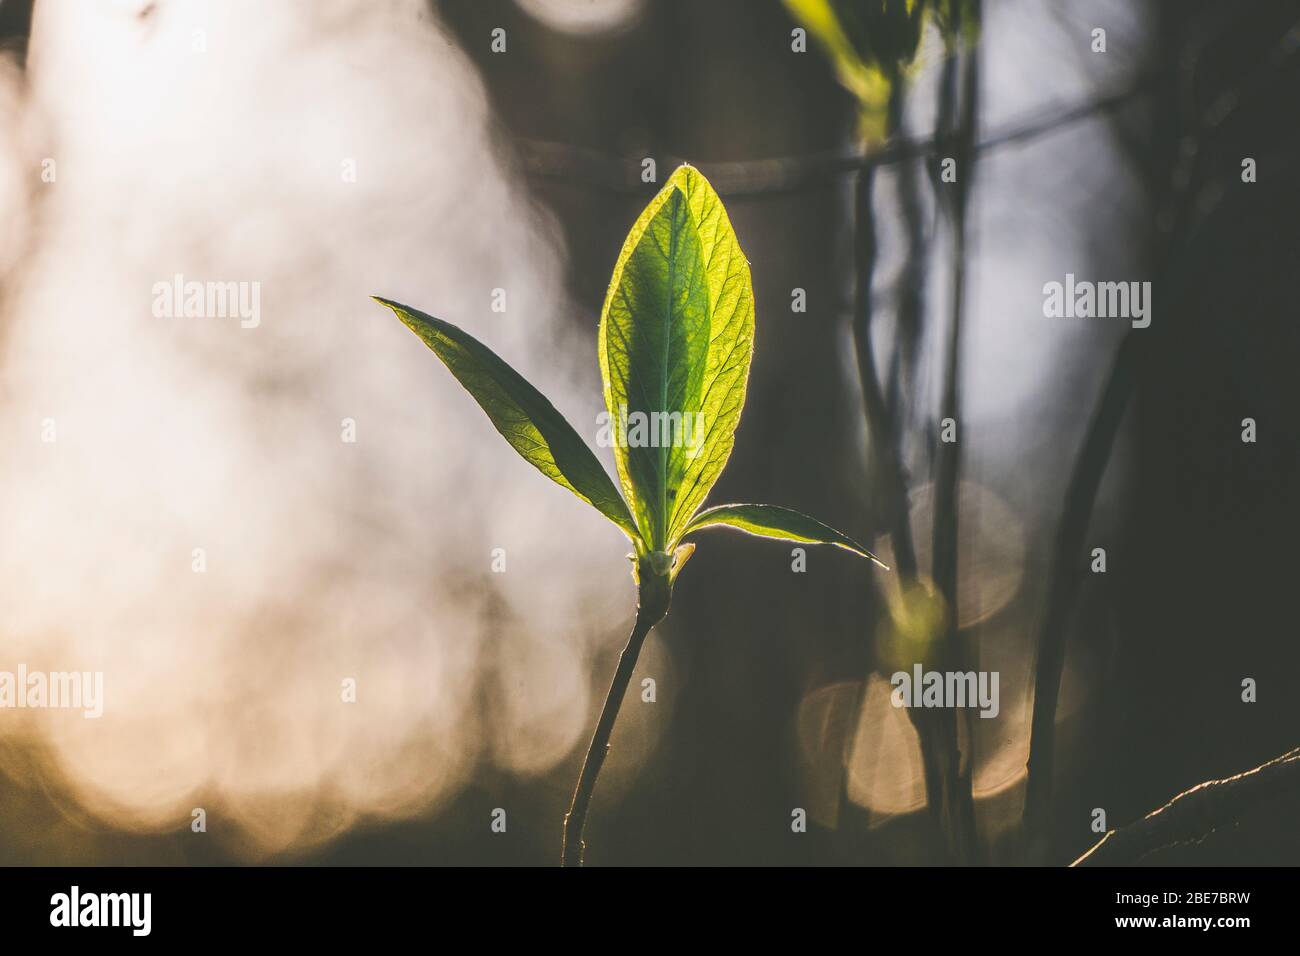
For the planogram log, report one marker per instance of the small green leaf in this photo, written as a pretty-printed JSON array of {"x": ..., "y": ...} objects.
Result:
[
  {"x": 520, "y": 413},
  {"x": 772, "y": 521},
  {"x": 676, "y": 339}
]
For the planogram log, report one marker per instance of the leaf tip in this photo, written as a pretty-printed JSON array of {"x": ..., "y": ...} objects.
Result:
[{"x": 686, "y": 177}]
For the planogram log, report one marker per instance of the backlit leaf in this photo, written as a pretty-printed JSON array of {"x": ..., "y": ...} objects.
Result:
[
  {"x": 773, "y": 521},
  {"x": 522, "y": 414},
  {"x": 676, "y": 338}
]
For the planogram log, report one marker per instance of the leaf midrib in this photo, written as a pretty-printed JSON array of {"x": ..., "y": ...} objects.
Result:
[{"x": 677, "y": 199}]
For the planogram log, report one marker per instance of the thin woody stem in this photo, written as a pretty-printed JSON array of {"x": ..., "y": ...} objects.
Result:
[
  {"x": 1195, "y": 813},
  {"x": 652, "y": 606}
]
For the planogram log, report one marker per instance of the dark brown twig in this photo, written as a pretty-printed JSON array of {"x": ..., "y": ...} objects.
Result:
[
  {"x": 595, "y": 170},
  {"x": 1194, "y": 814}
]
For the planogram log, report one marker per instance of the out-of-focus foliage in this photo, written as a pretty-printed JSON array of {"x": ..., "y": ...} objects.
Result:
[
  {"x": 912, "y": 630},
  {"x": 874, "y": 43}
]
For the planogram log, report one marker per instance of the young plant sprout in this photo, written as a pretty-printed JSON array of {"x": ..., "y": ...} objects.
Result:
[{"x": 675, "y": 342}]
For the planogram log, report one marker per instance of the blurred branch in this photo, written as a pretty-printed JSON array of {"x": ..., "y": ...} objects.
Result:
[
  {"x": 909, "y": 299},
  {"x": 950, "y": 799},
  {"x": 591, "y": 169},
  {"x": 1090, "y": 466},
  {"x": 947, "y": 467},
  {"x": 1196, "y": 813},
  {"x": 1063, "y": 585},
  {"x": 884, "y": 445}
]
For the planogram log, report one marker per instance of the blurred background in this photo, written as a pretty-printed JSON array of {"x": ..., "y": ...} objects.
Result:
[{"x": 335, "y": 149}]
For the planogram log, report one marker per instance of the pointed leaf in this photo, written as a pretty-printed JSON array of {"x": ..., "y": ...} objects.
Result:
[
  {"x": 520, "y": 413},
  {"x": 773, "y": 521},
  {"x": 676, "y": 338}
]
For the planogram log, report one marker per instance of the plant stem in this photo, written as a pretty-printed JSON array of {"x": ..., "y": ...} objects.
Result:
[
  {"x": 889, "y": 467},
  {"x": 1085, "y": 480},
  {"x": 910, "y": 308},
  {"x": 1174, "y": 219},
  {"x": 653, "y": 595},
  {"x": 883, "y": 444},
  {"x": 960, "y": 802}
]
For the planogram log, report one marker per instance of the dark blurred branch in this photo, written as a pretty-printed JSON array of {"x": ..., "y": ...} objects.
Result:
[
  {"x": 885, "y": 455},
  {"x": 1194, "y": 814},
  {"x": 1090, "y": 466},
  {"x": 884, "y": 442},
  {"x": 949, "y": 793},
  {"x": 947, "y": 467},
  {"x": 1085, "y": 479},
  {"x": 910, "y": 297},
  {"x": 594, "y": 170}
]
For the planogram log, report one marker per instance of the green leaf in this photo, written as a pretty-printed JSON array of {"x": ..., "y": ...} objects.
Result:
[
  {"x": 773, "y": 521},
  {"x": 676, "y": 338},
  {"x": 520, "y": 413}
]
